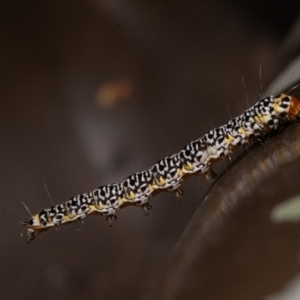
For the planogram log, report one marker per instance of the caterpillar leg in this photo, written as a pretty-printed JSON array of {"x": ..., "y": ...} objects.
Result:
[
  {"x": 178, "y": 194},
  {"x": 31, "y": 234},
  {"x": 210, "y": 175},
  {"x": 110, "y": 219},
  {"x": 146, "y": 207},
  {"x": 229, "y": 156}
]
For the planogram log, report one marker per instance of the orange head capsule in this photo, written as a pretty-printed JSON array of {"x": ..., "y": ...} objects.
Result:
[{"x": 294, "y": 111}]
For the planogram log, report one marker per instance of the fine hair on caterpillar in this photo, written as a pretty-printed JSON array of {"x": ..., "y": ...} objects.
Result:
[{"x": 168, "y": 174}]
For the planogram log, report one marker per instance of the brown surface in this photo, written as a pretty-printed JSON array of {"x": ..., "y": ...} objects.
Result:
[{"x": 185, "y": 61}]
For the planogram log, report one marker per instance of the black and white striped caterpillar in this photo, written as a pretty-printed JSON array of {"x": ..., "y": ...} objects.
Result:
[{"x": 168, "y": 173}]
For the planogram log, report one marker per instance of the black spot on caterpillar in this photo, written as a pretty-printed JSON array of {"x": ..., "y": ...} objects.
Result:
[{"x": 168, "y": 174}]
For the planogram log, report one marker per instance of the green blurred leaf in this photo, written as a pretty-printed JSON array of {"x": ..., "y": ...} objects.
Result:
[{"x": 288, "y": 211}]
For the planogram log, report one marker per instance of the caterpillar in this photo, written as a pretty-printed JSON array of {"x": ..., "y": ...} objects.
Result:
[{"x": 168, "y": 174}]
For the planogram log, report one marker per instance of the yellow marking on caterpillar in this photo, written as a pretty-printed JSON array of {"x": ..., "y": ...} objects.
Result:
[
  {"x": 276, "y": 107},
  {"x": 70, "y": 216},
  {"x": 131, "y": 196},
  {"x": 122, "y": 200},
  {"x": 36, "y": 221},
  {"x": 184, "y": 170},
  {"x": 36, "y": 218},
  {"x": 188, "y": 166},
  {"x": 162, "y": 181},
  {"x": 99, "y": 206},
  {"x": 261, "y": 119},
  {"x": 150, "y": 187},
  {"x": 277, "y": 102},
  {"x": 92, "y": 208},
  {"x": 243, "y": 131},
  {"x": 158, "y": 183},
  {"x": 180, "y": 172},
  {"x": 155, "y": 186},
  {"x": 212, "y": 150},
  {"x": 229, "y": 139}
]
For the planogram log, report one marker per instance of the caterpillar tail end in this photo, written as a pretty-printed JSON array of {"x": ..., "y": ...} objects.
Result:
[{"x": 31, "y": 233}]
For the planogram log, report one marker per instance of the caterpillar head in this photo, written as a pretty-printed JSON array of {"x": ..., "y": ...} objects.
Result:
[
  {"x": 294, "y": 111},
  {"x": 287, "y": 107}
]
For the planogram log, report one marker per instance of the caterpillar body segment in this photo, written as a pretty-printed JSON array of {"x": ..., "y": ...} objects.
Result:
[
  {"x": 78, "y": 207},
  {"x": 107, "y": 200},
  {"x": 168, "y": 174},
  {"x": 138, "y": 189}
]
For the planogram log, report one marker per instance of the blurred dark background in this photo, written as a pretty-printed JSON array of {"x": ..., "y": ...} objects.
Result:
[{"x": 93, "y": 91}]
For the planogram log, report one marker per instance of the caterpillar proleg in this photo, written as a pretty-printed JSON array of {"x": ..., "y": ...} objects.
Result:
[{"x": 167, "y": 174}]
